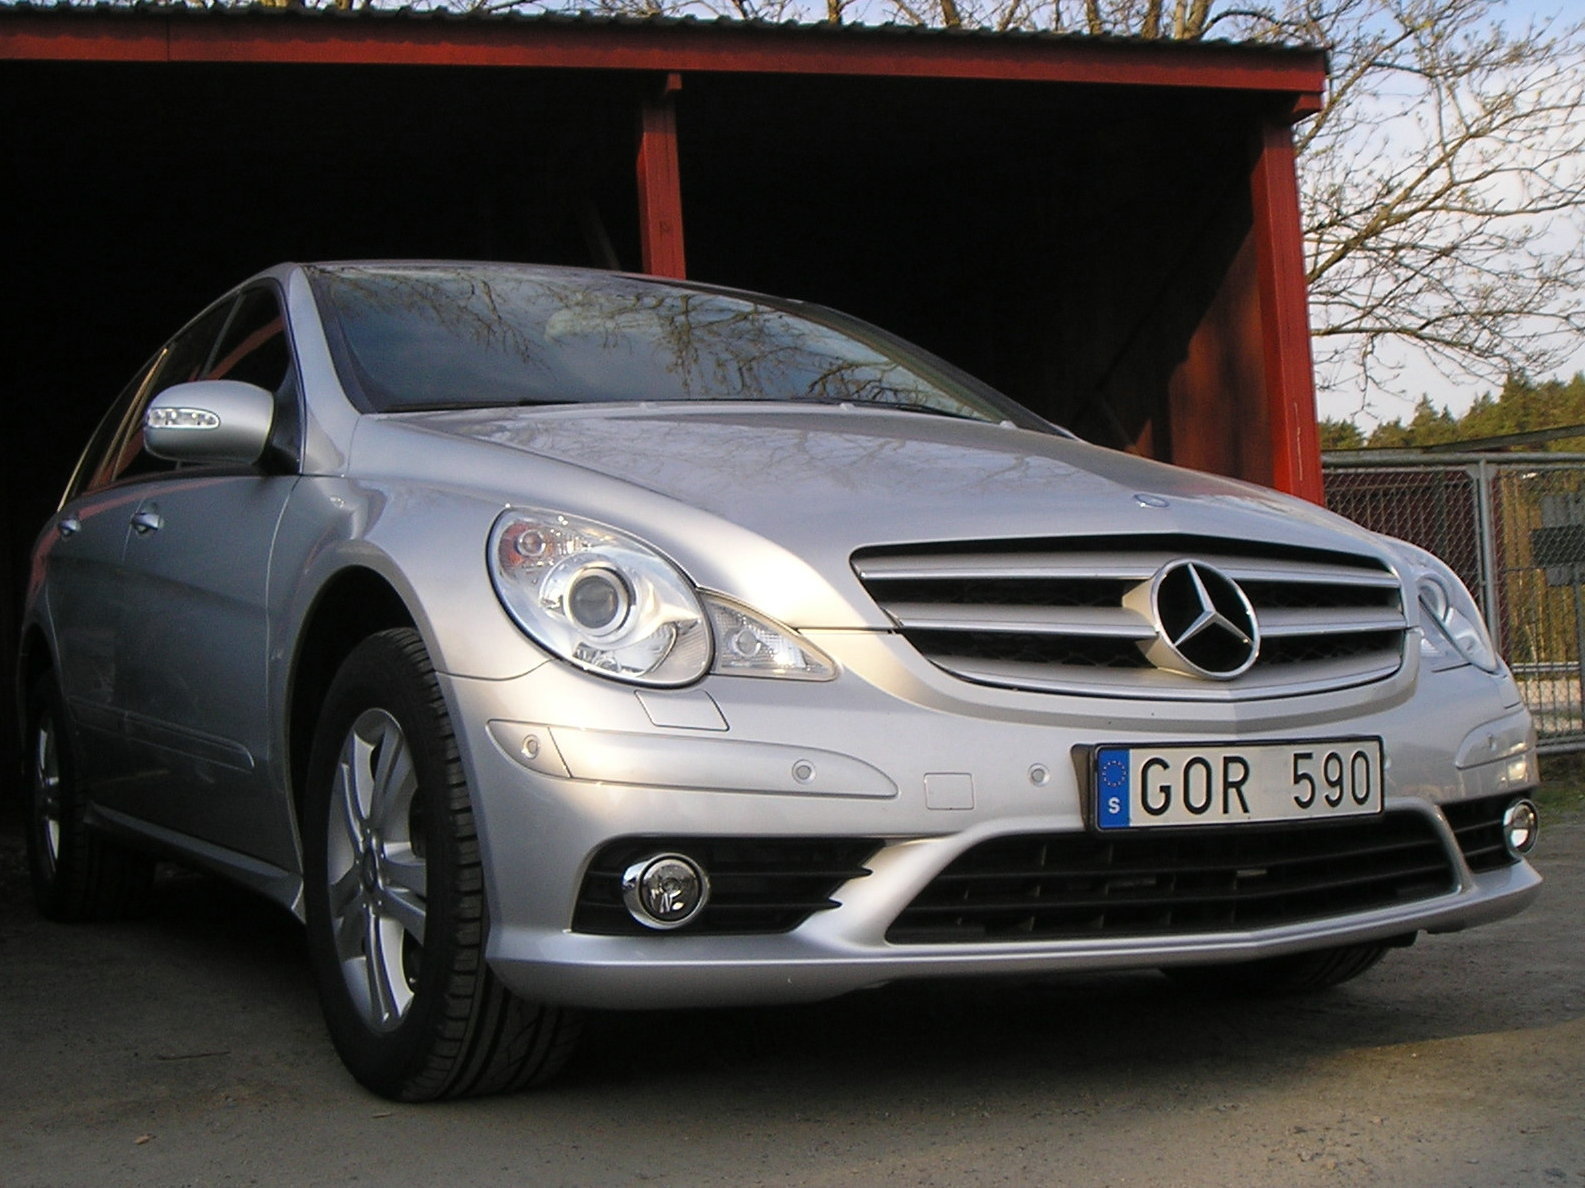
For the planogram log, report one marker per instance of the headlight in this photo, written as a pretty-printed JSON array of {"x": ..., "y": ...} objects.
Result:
[
  {"x": 1450, "y": 612},
  {"x": 609, "y": 603},
  {"x": 598, "y": 598}
]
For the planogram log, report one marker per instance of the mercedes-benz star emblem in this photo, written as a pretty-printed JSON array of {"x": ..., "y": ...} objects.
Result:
[{"x": 1205, "y": 625}]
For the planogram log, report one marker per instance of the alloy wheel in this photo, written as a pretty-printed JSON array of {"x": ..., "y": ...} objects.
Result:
[
  {"x": 47, "y": 788},
  {"x": 376, "y": 869}
]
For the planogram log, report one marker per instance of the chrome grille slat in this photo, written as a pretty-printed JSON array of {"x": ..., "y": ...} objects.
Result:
[
  {"x": 991, "y": 566},
  {"x": 1116, "y": 622},
  {"x": 1122, "y": 566},
  {"x": 1274, "y": 624},
  {"x": 1152, "y": 682},
  {"x": 1247, "y": 571},
  {"x": 1050, "y": 615}
]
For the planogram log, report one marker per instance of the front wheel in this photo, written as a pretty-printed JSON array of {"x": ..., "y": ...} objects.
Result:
[{"x": 394, "y": 893}]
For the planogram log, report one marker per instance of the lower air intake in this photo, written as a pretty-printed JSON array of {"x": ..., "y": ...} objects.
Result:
[{"x": 1068, "y": 886}]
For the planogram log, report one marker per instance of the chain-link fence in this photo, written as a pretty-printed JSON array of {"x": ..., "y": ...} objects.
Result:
[{"x": 1513, "y": 527}]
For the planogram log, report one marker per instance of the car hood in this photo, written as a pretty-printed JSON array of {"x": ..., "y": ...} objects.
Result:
[{"x": 821, "y": 482}]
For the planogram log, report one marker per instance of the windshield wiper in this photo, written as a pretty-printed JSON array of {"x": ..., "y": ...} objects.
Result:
[{"x": 927, "y": 409}]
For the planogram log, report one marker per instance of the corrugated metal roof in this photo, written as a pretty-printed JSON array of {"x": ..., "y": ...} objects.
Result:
[{"x": 727, "y": 25}]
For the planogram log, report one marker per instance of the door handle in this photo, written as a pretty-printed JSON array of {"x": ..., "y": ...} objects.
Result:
[
  {"x": 144, "y": 522},
  {"x": 69, "y": 526}
]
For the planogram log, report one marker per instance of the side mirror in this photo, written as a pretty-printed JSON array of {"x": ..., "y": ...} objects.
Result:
[{"x": 209, "y": 421}]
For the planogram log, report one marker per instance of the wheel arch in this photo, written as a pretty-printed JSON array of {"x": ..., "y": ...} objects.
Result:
[{"x": 354, "y": 604}]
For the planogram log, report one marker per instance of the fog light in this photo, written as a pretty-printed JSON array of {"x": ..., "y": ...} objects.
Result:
[
  {"x": 1520, "y": 825},
  {"x": 665, "y": 890}
]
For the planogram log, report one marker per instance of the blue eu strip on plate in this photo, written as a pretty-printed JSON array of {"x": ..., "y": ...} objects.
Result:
[{"x": 1112, "y": 787}]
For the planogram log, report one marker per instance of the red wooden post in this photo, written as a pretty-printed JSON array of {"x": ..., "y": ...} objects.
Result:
[
  {"x": 1285, "y": 317},
  {"x": 660, "y": 184}
]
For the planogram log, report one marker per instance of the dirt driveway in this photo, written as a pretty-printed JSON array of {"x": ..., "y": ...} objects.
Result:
[{"x": 187, "y": 1049}]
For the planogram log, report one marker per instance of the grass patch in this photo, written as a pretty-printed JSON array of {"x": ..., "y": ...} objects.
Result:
[{"x": 1562, "y": 787}]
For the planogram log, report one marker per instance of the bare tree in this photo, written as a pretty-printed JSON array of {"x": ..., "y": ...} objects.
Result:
[
  {"x": 1444, "y": 188},
  {"x": 1443, "y": 181}
]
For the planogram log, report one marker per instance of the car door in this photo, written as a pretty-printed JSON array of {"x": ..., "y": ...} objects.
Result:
[
  {"x": 193, "y": 646},
  {"x": 81, "y": 552}
]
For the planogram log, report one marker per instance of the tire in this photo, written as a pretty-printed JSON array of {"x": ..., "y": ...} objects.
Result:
[
  {"x": 1296, "y": 973},
  {"x": 394, "y": 895},
  {"x": 78, "y": 873}
]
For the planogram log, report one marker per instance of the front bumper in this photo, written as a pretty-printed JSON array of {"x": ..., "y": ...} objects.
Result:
[
  {"x": 929, "y": 768},
  {"x": 839, "y": 951}
]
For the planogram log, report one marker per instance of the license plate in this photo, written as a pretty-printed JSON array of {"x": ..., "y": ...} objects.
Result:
[{"x": 1147, "y": 786}]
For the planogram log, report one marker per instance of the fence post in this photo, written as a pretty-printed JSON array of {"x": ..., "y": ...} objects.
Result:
[{"x": 1486, "y": 526}]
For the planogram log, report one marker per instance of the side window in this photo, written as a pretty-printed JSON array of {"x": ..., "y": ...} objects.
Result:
[
  {"x": 98, "y": 456},
  {"x": 184, "y": 358},
  {"x": 253, "y": 348},
  {"x": 187, "y": 357}
]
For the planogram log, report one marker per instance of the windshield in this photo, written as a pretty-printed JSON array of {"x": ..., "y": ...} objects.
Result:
[{"x": 412, "y": 337}]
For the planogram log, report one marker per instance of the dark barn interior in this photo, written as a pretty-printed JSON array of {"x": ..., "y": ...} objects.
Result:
[
  {"x": 1090, "y": 248},
  {"x": 1063, "y": 243}
]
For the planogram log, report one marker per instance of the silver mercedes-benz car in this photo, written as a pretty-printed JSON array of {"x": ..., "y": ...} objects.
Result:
[{"x": 549, "y": 639}]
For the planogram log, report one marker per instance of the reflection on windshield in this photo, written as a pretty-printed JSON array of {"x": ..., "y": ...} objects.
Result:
[{"x": 450, "y": 336}]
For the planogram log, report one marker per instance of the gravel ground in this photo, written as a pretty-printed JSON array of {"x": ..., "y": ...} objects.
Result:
[{"x": 186, "y": 1048}]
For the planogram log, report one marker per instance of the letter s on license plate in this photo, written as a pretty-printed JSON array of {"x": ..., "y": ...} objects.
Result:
[{"x": 1144, "y": 786}]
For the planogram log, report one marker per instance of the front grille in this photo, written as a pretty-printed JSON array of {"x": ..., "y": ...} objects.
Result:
[
  {"x": 1478, "y": 826},
  {"x": 1078, "y": 886},
  {"x": 1072, "y": 615},
  {"x": 756, "y": 884}
]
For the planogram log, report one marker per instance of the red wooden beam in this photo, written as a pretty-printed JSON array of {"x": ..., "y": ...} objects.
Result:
[
  {"x": 665, "y": 46},
  {"x": 660, "y": 184},
  {"x": 1285, "y": 317}
]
